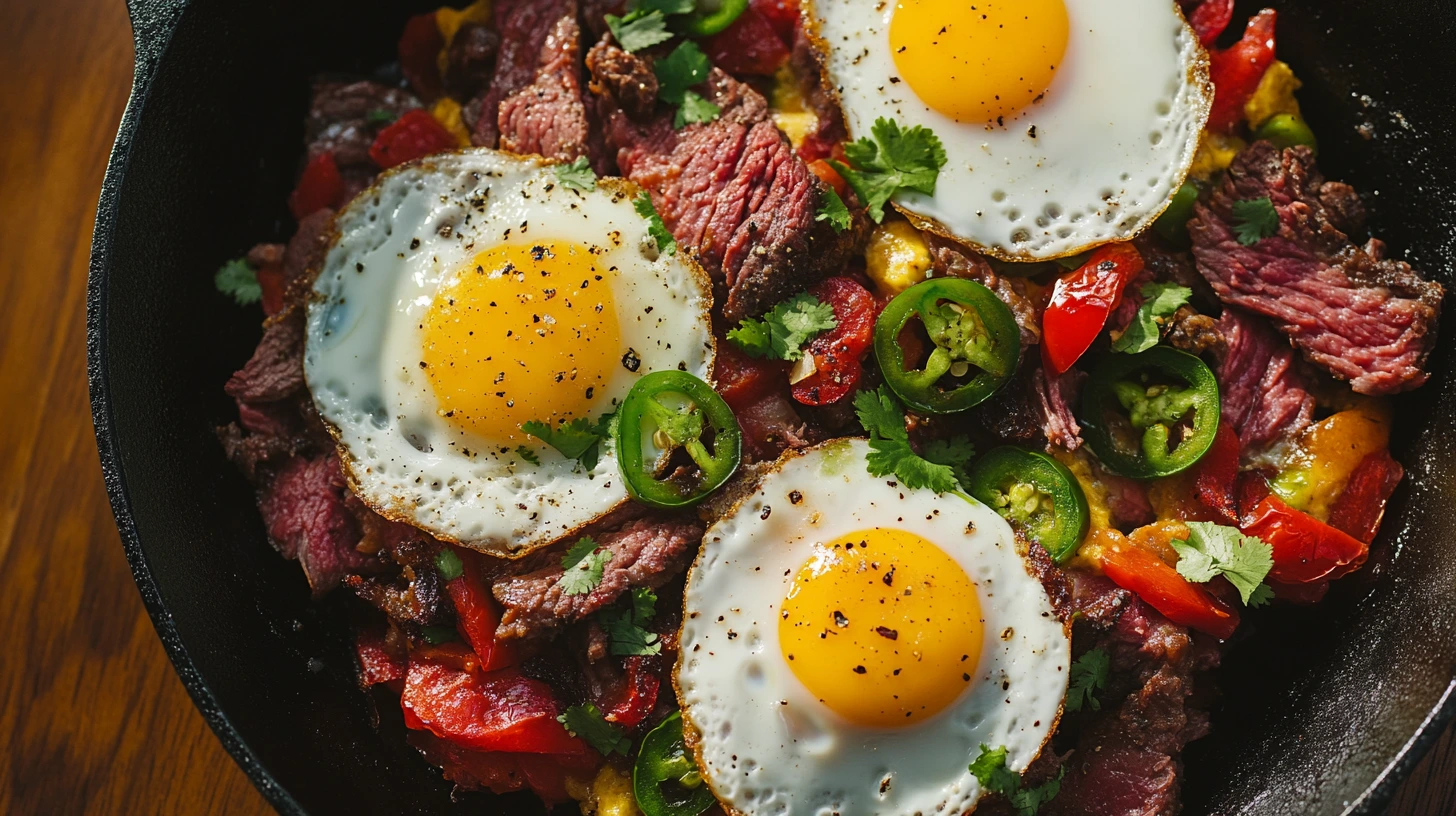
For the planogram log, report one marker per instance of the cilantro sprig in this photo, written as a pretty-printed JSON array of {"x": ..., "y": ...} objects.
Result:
[
  {"x": 579, "y": 439},
  {"x": 655, "y": 225},
  {"x": 882, "y": 415},
  {"x": 1213, "y": 550},
  {"x": 1255, "y": 220},
  {"x": 890, "y": 160},
  {"x": 1090, "y": 674},
  {"x": 577, "y": 176},
  {"x": 685, "y": 67},
  {"x": 782, "y": 333},
  {"x": 832, "y": 209},
  {"x": 645, "y": 23},
  {"x": 586, "y": 721},
  {"x": 449, "y": 564},
  {"x": 990, "y": 770},
  {"x": 626, "y": 625},
  {"x": 584, "y": 565},
  {"x": 1162, "y": 301},
  {"x": 237, "y": 280}
]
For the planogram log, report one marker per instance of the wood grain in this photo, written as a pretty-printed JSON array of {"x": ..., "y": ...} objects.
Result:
[{"x": 94, "y": 721}]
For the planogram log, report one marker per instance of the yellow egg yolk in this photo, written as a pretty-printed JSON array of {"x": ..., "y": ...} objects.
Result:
[
  {"x": 978, "y": 61},
  {"x": 882, "y": 627},
  {"x": 526, "y": 331}
]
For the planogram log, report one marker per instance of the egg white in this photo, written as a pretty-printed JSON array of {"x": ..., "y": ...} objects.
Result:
[{"x": 765, "y": 744}]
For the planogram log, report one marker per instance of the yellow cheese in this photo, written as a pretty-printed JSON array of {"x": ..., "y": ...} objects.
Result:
[
  {"x": 896, "y": 258},
  {"x": 447, "y": 112},
  {"x": 1215, "y": 152},
  {"x": 1275, "y": 95}
]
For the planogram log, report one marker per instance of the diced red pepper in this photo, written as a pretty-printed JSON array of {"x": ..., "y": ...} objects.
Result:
[
  {"x": 1216, "y": 476},
  {"x": 1306, "y": 549},
  {"x": 1161, "y": 587},
  {"x": 1362, "y": 503},
  {"x": 419, "y": 51},
  {"x": 837, "y": 352},
  {"x": 1209, "y": 18},
  {"x": 1081, "y": 302},
  {"x": 479, "y": 615},
  {"x": 827, "y": 174},
  {"x": 639, "y": 693},
  {"x": 1236, "y": 71},
  {"x": 783, "y": 15},
  {"x": 414, "y": 135},
  {"x": 749, "y": 46},
  {"x": 742, "y": 380},
  {"x": 378, "y": 663},
  {"x": 504, "y": 772},
  {"x": 319, "y": 186},
  {"x": 499, "y": 711},
  {"x": 270, "y": 280}
]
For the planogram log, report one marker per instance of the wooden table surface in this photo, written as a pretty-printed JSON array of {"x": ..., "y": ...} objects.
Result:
[{"x": 93, "y": 718}]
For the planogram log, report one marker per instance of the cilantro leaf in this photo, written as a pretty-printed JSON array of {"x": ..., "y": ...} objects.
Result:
[
  {"x": 685, "y": 67},
  {"x": 583, "y": 566},
  {"x": 894, "y": 159},
  {"x": 832, "y": 209},
  {"x": 1089, "y": 674},
  {"x": 695, "y": 109},
  {"x": 449, "y": 564},
  {"x": 238, "y": 280},
  {"x": 890, "y": 453},
  {"x": 1163, "y": 300},
  {"x": 627, "y": 626},
  {"x": 1255, "y": 220},
  {"x": 991, "y": 771},
  {"x": 782, "y": 333},
  {"x": 577, "y": 176},
  {"x": 955, "y": 453},
  {"x": 1213, "y": 549},
  {"x": 527, "y": 455},
  {"x": 639, "y": 29},
  {"x": 1029, "y": 800},
  {"x": 1261, "y": 596},
  {"x": 667, "y": 7},
  {"x": 380, "y": 116},
  {"x": 655, "y": 227},
  {"x": 586, "y": 721}
]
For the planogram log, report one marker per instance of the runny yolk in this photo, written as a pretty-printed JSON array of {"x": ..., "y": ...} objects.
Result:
[
  {"x": 526, "y": 331},
  {"x": 882, "y": 627},
  {"x": 982, "y": 60}
]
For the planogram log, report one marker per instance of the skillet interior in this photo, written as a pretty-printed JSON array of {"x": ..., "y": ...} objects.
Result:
[{"x": 1324, "y": 709}]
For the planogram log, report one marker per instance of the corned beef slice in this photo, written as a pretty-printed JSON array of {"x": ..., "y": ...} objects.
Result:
[
  {"x": 523, "y": 26},
  {"x": 733, "y": 189},
  {"x": 307, "y": 519},
  {"x": 1262, "y": 386},
  {"x": 549, "y": 116},
  {"x": 1358, "y": 315}
]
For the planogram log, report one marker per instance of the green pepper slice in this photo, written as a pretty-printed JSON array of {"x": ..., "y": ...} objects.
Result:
[
  {"x": 1036, "y": 494},
  {"x": 712, "y": 16},
  {"x": 1135, "y": 405},
  {"x": 1287, "y": 130},
  {"x": 668, "y": 411},
  {"x": 975, "y": 345},
  {"x": 1172, "y": 225},
  {"x": 665, "y": 779}
]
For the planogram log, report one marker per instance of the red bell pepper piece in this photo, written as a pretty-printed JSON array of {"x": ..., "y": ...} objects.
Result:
[
  {"x": 419, "y": 51},
  {"x": 639, "y": 694},
  {"x": 1306, "y": 549},
  {"x": 378, "y": 663},
  {"x": 749, "y": 46},
  {"x": 827, "y": 174},
  {"x": 478, "y": 615},
  {"x": 1208, "y": 17},
  {"x": 414, "y": 135},
  {"x": 837, "y": 352},
  {"x": 1081, "y": 302},
  {"x": 1236, "y": 71},
  {"x": 1161, "y": 587},
  {"x": 1215, "y": 477},
  {"x": 502, "y": 772},
  {"x": 742, "y": 380},
  {"x": 319, "y": 186},
  {"x": 270, "y": 280},
  {"x": 1362, "y": 503},
  {"x": 499, "y": 711},
  {"x": 783, "y": 15}
]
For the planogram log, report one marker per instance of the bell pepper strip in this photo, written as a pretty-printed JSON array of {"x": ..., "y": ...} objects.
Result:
[
  {"x": 674, "y": 410},
  {"x": 975, "y": 345},
  {"x": 709, "y": 19},
  {"x": 1082, "y": 300},
  {"x": 419, "y": 51},
  {"x": 1306, "y": 550},
  {"x": 1161, "y": 587},
  {"x": 749, "y": 46},
  {"x": 414, "y": 135},
  {"x": 378, "y": 662},
  {"x": 665, "y": 779},
  {"x": 837, "y": 352},
  {"x": 499, "y": 711},
  {"x": 319, "y": 186},
  {"x": 1135, "y": 404},
  {"x": 1208, "y": 18},
  {"x": 1362, "y": 503},
  {"x": 499, "y": 772},
  {"x": 478, "y": 615},
  {"x": 270, "y": 281},
  {"x": 1216, "y": 476},
  {"x": 1036, "y": 494},
  {"x": 1236, "y": 71},
  {"x": 639, "y": 693}
]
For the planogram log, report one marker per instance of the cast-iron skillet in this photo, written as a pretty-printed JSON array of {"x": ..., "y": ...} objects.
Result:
[{"x": 1324, "y": 710}]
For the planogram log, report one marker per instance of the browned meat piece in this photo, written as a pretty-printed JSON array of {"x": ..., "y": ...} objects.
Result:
[
  {"x": 344, "y": 119},
  {"x": 1263, "y": 388},
  {"x": 808, "y": 68},
  {"x": 265, "y": 255},
  {"x": 1360, "y": 316},
  {"x": 304, "y": 255},
  {"x": 549, "y": 116},
  {"x": 623, "y": 80},
  {"x": 470, "y": 62},
  {"x": 275, "y": 370},
  {"x": 522, "y": 26},
  {"x": 304, "y": 511},
  {"x": 1176, "y": 266},
  {"x": 594, "y": 15},
  {"x": 734, "y": 192},
  {"x": 416, "y": 591},
  {"x": 959, "y": 261},
  {"x": 1053, "y": 398},
  {"x": 1097, "y": 600},
  {"x": 1195, "y": 333},
  {"x": 773, "y": 425},
  {"x": 645, "y": 553},
  {"x": 1010, "y": 413}
]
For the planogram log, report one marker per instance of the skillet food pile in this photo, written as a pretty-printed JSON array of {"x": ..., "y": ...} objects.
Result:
[{"x": 856, "y": 408}]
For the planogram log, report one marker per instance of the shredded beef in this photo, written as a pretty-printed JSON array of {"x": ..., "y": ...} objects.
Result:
[
  {"x": 959, "y": 261},
  {"x": 549, "y": 116},
  {"x": 645, "y": 553},
  {"x": 275, "y": 371},
  {"x": 732, "y": 190},
  {"x": 305, "y": 513},
  {"x": 415, "y": 592},
  {"x": 1360, "y": 316},
  {"x": 1263, "y": 388},
  {"x": 1009, "y": 413},
  {"x": 523, "y": 26},
  {"x": 470, "y": 62},
  {"x": 1052, "y": 397}
]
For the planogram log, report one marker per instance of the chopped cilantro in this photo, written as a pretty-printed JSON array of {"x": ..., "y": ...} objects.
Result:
[
  {"x": 587, "y": 722},
  {"x": 891, "y": 161},
  {"x": 782, "y": 332},
  {"x": 695, "y": 109},
  {"x": 685, "y": 67},
  {"x": 380, "y": 116},
  {"x": 1255, "y": 220},
  {"x": 449, "y": 564},
  {"x": 238, "y": 280},
  {"x": 832, "y": 209},
  {"x": 583, "y": 566},
  {"x": 579, "y": 439},
  {"x": 1028, "y": 801},
  {"x": 1261, "y": 595},
  {"x": 1213, "y": 549},
  {"x": 955, "y": 452},
  {"x": 655, "y": 227},
  {"x": 890, "y": 453},
  {"x": 991, "y": 771},
  {"x": 527, "y": 455},
  {"x": 1162, "y": 301},
  {"x": 627, "y": 626},
  {"x": 577, "y": 176},
  {"x": 1089, "y": 675},
  {"x": 639, "y": 29}
]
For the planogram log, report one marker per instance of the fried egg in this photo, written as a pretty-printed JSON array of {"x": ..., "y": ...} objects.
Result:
[
  {"x": 467, "y": 295},
  {"x": 849, "y": 644},
  {"x": 1066, "y": 123}
]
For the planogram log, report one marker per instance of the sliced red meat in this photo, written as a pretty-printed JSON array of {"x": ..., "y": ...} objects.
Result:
[
  {"x": 523, "y": 26},
  {"x": 275, "y": 371},
  {"x": 304, "y": 511},
  {"x": 549, "y": 116},
  {"x": 1053, "y": 398},
  {"x": 1263, "y": 388},
  {"x": 344, "y": 119}
]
